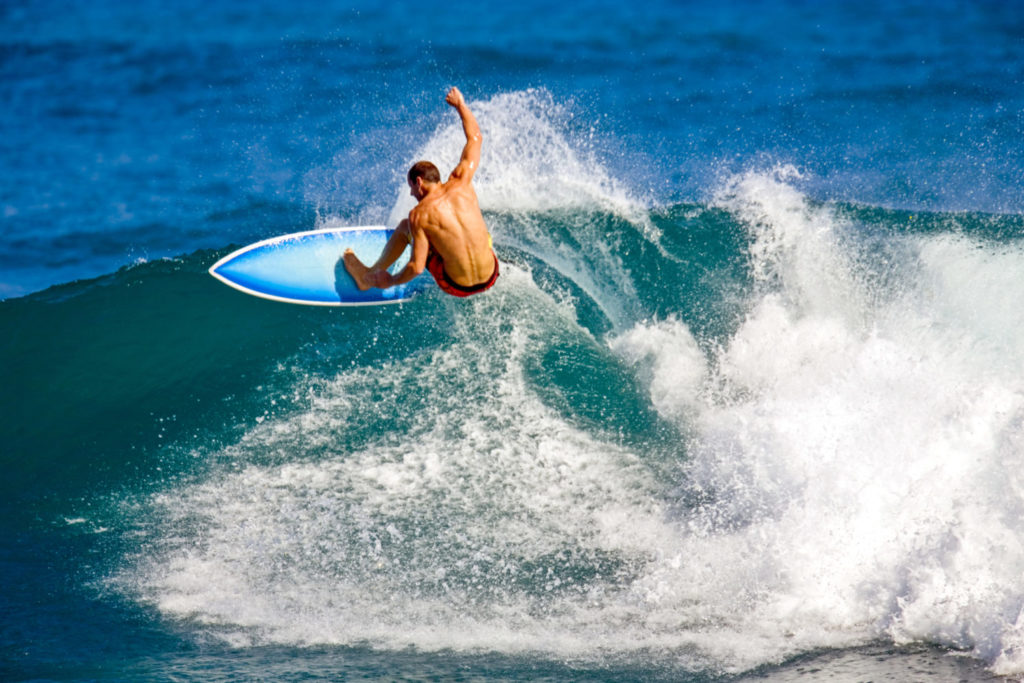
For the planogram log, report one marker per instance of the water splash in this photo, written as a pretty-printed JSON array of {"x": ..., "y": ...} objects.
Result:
[
  {"x": 536, "y": 170},
  {"x": 850, "y": 469},
  {"x": 533, "y": 160},
  {"x": 855, "y": 468}
]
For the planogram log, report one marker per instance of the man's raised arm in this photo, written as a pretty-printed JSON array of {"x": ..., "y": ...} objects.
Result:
[{"x": 470, "y": 160}]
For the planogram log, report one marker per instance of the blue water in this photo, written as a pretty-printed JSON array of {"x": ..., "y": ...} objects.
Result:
[{"x": 747, "y": 400}]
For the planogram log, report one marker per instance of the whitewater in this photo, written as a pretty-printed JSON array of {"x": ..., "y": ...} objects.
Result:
[{"x": 837, "y": 464}]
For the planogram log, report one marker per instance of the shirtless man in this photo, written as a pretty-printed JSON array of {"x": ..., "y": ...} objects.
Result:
[{"x": 446, "y": 229}]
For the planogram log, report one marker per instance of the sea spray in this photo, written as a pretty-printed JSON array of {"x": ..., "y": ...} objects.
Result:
[
  {"x": 485, "y": 523},
  {"x": 857, "y": 455},
  {"x": 846, "y": 468},
  {"x": 536, "y": 169},
  {"x": 672, "y": 365},
  {"x": 795, "y": 248},
  {"x": 534, "y": 159}
]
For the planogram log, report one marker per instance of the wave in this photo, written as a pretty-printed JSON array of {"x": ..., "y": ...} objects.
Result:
[{"x": 718, "y": 434}]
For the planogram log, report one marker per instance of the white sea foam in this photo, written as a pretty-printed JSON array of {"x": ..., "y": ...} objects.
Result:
[
  {"x": 469, "y": 529},
  {"x": 852, "y": 472},
  {"x": 674, "y": 365},
  {"x": 857, "y": 459}
]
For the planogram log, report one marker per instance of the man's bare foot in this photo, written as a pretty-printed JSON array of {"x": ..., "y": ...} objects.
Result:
[{"x": 356, "y": 269}]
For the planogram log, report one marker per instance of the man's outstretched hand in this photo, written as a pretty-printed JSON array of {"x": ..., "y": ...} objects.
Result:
[{"x": 455, "y": 98}]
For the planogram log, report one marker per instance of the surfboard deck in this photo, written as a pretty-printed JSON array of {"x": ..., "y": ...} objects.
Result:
[{"x": 307, "y": 268}]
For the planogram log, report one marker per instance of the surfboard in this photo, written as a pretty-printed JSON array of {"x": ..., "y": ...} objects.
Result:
[{"x": 307, "y": 268}]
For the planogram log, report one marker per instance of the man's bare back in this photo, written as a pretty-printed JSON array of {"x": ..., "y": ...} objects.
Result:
[{"x": 446, "y": 229}]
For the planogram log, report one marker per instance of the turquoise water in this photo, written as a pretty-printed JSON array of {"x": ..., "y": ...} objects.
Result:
[{"x": 746, "y": 402}]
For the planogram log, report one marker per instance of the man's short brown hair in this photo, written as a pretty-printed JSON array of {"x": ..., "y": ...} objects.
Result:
[{"x": 425, "y": 170}]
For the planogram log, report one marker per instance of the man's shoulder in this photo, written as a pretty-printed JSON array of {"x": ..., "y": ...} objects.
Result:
[
  {"x": 415, "y": 215},
  {"x": 457, "y": 181},
  {"x": 422, "y": 214}
]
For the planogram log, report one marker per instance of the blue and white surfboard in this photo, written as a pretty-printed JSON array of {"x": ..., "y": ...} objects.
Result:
[{"x": 307, "y": 268}]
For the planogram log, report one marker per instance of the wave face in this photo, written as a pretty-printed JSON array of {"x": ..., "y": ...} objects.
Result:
[{"x": 710, "y": 435}]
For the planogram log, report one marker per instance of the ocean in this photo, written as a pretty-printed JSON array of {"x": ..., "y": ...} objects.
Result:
[{"x": 747, "y": 402}]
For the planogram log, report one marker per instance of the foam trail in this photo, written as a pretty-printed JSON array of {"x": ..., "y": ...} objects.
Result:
[{"x": 480, "y": 524}]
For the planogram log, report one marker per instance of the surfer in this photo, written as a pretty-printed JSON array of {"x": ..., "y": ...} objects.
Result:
[{"x": 446, "y": 229}]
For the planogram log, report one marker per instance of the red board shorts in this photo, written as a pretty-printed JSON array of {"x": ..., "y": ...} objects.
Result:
[{"x": 435, "y": 265}]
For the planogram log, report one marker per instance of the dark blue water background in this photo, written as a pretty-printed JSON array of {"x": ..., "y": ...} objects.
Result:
[{"x": 151, "y": 129}]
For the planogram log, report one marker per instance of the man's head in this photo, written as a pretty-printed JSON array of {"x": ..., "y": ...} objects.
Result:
[{"x": 421, "y": 174}]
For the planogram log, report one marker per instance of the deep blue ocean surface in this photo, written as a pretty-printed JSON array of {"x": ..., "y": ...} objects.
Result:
[{"x": 747, "y": 402}]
